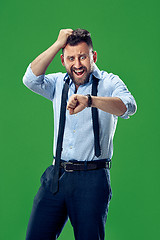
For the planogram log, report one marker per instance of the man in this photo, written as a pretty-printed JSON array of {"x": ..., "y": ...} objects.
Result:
[{"x": 77, "y": 184}]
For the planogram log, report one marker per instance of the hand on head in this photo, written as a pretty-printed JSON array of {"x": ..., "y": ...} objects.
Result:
[{"x": 63, "y": 35}]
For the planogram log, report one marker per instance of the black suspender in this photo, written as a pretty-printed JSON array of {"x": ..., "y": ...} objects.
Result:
[
  {"x": 95, "y": 119},
  {"x": 54, "y": 186}
]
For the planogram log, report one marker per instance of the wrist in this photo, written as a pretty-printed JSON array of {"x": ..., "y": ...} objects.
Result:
[
  {"x": 58, "y": 45},
  {"x": 89, "y": 104}
]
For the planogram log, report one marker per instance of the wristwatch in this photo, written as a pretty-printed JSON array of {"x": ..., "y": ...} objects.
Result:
[{"x": 89, "y": 100}]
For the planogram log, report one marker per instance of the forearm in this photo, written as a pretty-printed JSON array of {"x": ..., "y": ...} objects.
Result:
[
  {"x": 41, "y": 63},
  {"x": 112, "y": 105}
]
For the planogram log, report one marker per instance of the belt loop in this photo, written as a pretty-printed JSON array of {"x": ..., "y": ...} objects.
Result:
[{"x": 110, "y": 164}]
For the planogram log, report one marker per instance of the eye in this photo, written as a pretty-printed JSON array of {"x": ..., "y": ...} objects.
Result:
[
  {"x": 83, "y": 57},
  {"x": 71, "y": 58}
]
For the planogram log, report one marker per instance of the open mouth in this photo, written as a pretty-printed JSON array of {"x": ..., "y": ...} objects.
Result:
[{"x": 79, "y": 72}]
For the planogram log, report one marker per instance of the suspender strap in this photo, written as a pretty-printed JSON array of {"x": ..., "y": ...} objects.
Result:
[
  {"x": 95, "y": 119},
  {"x": 55, "y": 183}
]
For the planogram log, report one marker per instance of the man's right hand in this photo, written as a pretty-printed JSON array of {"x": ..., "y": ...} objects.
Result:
[
  {"x": 62, "y": 37},
  {"x": 41, "y": 63}
]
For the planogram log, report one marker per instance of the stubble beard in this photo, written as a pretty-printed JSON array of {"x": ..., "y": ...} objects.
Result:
[{"x": 80, "y": 81}]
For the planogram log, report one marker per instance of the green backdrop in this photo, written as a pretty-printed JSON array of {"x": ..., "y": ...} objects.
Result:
[{"x": 126, "y": 36}]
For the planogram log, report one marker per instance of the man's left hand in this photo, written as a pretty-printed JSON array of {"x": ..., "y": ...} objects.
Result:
[{"x": 77, "y": 103}]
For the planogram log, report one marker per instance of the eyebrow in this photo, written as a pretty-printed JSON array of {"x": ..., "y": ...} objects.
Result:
[{"x": 82, "y": 54}]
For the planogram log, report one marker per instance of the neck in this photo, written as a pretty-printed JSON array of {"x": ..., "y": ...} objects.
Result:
[{"x": 76, "y": 88}]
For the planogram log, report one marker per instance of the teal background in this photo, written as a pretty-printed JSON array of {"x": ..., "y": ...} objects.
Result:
[{"x": 126, "y": 36}]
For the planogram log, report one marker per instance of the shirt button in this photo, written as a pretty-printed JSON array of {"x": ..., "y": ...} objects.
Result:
[
  {"x": 74, "y": 131},
  {"x": 76, "y": 114},
  {"x": 70, "y": 147}
]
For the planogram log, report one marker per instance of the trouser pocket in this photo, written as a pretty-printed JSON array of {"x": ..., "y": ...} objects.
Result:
[{"x": 47, "y": 176}]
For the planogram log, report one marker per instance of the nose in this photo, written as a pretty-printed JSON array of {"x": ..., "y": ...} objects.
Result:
[{"x": 77, "y": 63}]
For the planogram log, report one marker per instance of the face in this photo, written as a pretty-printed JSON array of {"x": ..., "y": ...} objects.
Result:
[{"x": 79, "y": 61}]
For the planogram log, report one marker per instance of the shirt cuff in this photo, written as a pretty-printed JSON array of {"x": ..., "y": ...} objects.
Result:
[
  {"x": 30, "y": 75},
  {"x": 130, "y": 105}
]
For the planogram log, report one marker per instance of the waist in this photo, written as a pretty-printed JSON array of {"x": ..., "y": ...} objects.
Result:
[
  {"x": 74, "y": 165},
  {"x": 82, "y": 161}
]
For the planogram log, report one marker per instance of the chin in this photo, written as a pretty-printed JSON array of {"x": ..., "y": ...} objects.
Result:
[{"x": 81, "y": 81}]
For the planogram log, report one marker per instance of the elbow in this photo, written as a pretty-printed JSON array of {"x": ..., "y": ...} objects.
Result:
[
  {"x": 28, "y": 83},
  {"x": 132, "y": 108},
  {"x": 25, "y": 81}
]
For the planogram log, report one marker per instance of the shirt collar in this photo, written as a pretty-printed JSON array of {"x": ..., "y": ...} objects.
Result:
[{"x": 96, "y": 72}]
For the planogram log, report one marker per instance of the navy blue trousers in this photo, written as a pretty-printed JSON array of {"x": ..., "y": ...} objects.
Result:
[{"x": 83, "y": 197}]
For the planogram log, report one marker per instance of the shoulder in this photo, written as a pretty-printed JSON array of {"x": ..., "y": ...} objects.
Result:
[
  {"x": 107, "y": 81},
  {"x": 104, "y": 76},
  {"x": 55, "y": 76}
]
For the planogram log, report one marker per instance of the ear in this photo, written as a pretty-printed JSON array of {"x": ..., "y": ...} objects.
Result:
[
  {"x": 95, "y": 56},
  {"x": 62, "y": 59}
]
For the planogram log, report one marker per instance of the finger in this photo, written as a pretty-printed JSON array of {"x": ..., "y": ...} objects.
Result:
[
  {"x": 71, "y": 111},
  {"x": 69, "y": 30},
  {"x": 72, "y": 103},
  {"x": 79, "y": 108}
]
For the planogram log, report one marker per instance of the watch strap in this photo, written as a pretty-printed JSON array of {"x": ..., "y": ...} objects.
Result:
[{"x": 89, "y": 100}]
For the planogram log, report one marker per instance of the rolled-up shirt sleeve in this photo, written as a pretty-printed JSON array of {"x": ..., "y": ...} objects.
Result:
[
  {"x": 43, "y": 85},
  {"x": 120, "y": 90}
]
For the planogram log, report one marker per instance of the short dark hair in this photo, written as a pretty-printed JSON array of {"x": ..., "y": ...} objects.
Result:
[{"x": 79, "y": 35}]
